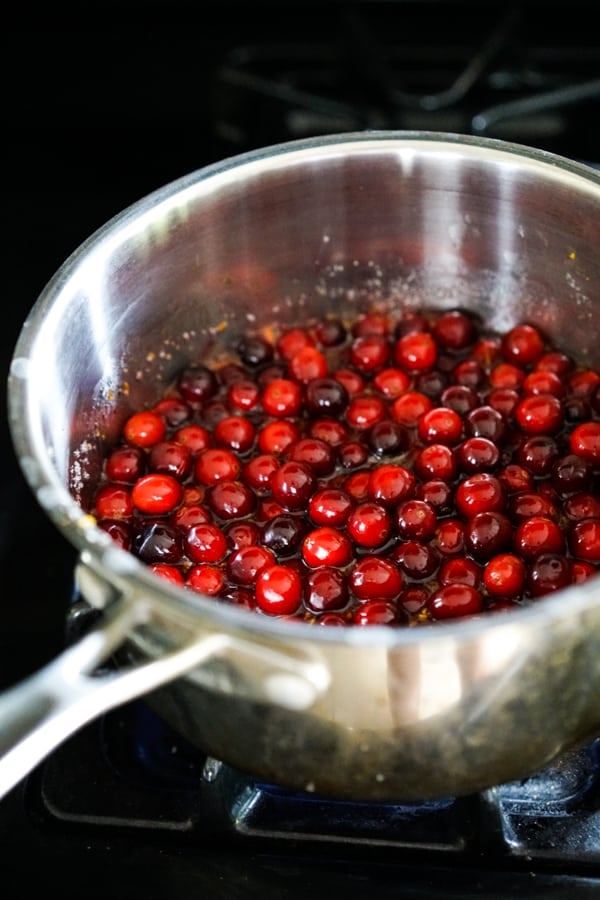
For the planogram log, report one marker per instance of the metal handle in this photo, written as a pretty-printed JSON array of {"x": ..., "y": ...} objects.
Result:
[{"x": 52, "y": 704}]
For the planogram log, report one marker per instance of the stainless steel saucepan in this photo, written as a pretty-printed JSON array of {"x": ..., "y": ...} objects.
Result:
[{"x": 331, "y": 224}]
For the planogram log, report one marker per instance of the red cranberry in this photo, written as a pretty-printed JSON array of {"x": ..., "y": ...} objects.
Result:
[
  {"x": 440, "y": 425},
  {"x": 585, "y": 441},
  {"x": 328, "y": 430},
  {"x": 205, "y": 543},
  {"x": 174, "y": 411},
  {"x": 156, "y": 494},
  {"x": 144, "y": 429},
  {"x": 409, "y": 407},
  {"x": 536, "y": 535},
  {"x": 235, "y": 432},
  {"x": 258, "y": 470},
  {"x": 369, "y": 352},
  {"x": 481, "y": 492},
  {"x": 416, "y": 559},
  {"x": 125, "y": 464},
  {"x": 205, "y": 579},
  {"x": 292, "y": 484},
  {"x": 243, "y": 395},
  {"x": 438, "y": 494},
  {"x": 197, "y": 384},
  {"x": 376, "y": 578},
  {"x": 455, "y": 330},
  {"x": 171, "y": 458},
  {"x": 188, "y": 515},
  {"x": 114, "y": 501},
  {"x": 244, "y": 565},
  {"x": 194, "y": 437},
  {"x": 231, "y": 499},
  {"x": 582, "y": 506},
  {"x": 391, "y": 382},
  {"x": 460, "y": 570},
  {"x": 584, "y": 540},
  {"x": 215, "y": 464},
  {"x": 505, "y": 575},
  {"x": 390, "y": 484},
  {"x": 326, "y": 546},
  {"x": 242, "y": 534},
  {"x": 415, "y": 352},
  {"x": 369, "y": 524},
  {"x": 283, "y": 534},
  {"x": 477, "y": 454},
  {"x": 277, "y": 437},
  {"x": 330, "y": 506},
  {"x": 319, "y": 455},
  {"x": 352, "y": 454},
  {"x": 365, "y": 411},
  {"x": 522, "y": 345},
  {"x": 539, "y": 414},
  {"x": 415, "y": 520},
  {"x": 307, "y": 364},
  {"x": 449, "y": 538},
  {"x": 548, "y": 572},
  {"x": 119, "y": 530},
  {"x": 326, "y": 397},
  {"x": 377, "y": 612},
  {"x": 168, "y": 572},
  {"x": 455, "y": 600},
  {"x": 278, "y": 590},
  {"x": 326, "y": 590},
  {"x": 282, "y": 397},
  {"x": 436, "y": 461}
]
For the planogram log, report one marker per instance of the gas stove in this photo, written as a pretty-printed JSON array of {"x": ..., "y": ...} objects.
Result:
[{"x": 114, "y": 111}]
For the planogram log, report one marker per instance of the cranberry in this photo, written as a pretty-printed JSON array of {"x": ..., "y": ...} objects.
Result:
[
  {"x": 329, "y": 430},
  {"x": 375, "y": 578},
  {"x": 449, "y": 538},
  {"x": 522, "y": 345},
  {"x": 585, "y": 441},
  {"x": 507, "y": 376},
  {"x": 156, "y": 494},
  {"x": 236, "y": 433},
  {"x": 254, "y": 350},
  {"x": 460, "y": 570},
  {"x": 168, "y": 572},
  {"x": 369, "y": 524},
  {"x": 515, "y": 478},
  {"x": 584, "y": 540},
  {"x": 539, "y": 414},
  {"x": 114, "y": 501},
  {"x": 257, "y": 471},
  {"x": 205, "y": 543},
  {"x": 438, "y": 494},
  {"x": 197, "y": 384},
  {"x": 205, "y": 579},
  {"x": 548, "y": 572},
  {"x": 582, "y": 506},
  {"x": 369, "y": 352},
  {"x": 538, "y": 454},
  {"x": 242, "y": 534},
  {"x": 477, "y": 454},
  {"x": 455, "y": 600},
  {"x": 390, "y": 483},
  {"x": 352, "y": 454},
  {"x": 391, "y": 382},
  {"x": 536, "y": 535},
  {"x": 330, "y": 506},
  {"x": 283, "y": 534},
  {"x": 119, "y": 530},
  {"x": 364, "y": 411},
  {"x": 455, "y": 330},
  {"x": 319, "y": 455},
  {"x": 326, "y": 590},
  {"x": 436, "y": 461},
  {"x": 278, "y": 590},
  {"x": 481, "y": 492},
  {"x": 174, "y": 411},
  {"x": 487, "y": 534},
  {"x": 416, "y": 520},
  {"x": 505, "y": 575},
  {"x": 571, "y": 474},
  {"x": 277, "y": 437},
  {"x": 418, "y": 560},
  {"x": 352, "y": 381},
  {"x": 244, "y": 565},
  {"x": 330, "y": 332},
  {"x": 125, "y": 464},
  {"x": 326, "y": 546},
  {"x": 243, "y": 395},
  {"x": 415, "y": 352},
  {"x": 409, "y": 407},
  {"x": 326, "y": 397},
  {"x": 194, "y": 437},
  {"x": 293, "y": 341},
  {"x": 215, "y": 464},
  {"x": 504, "y": 401},
  {"x": 388, "y": 438},
  {"x": 292, "y": 484},
  {"x": 485, "y": 421},
  {"x": 525, "y": 504},
  {"x": 171, "y": 458},
  {"x": 377, "y": 612},
  {"x": 282, "y": 397},
  {"x": 186, "y": 516},
  {"x": 459, "y": 397},
  {"x": 440, "y": 425},
  {"x": 543, "y": 383},
  {"x": 157, "y": 542},
  {"x": 143, "y": 429},
  {"x": 413, "y": 599}
]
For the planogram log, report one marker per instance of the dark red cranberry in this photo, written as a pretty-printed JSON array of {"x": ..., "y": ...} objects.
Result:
[
  {"x": 487, "y": 534},
  {"x": 470, "y": 372},
  {"x": 415, "y": 520},
  {"x": 449, "y": 537},
  {"x": 377, "y": 612},
  {"x": 125, "y": 464},
  {"x": 326, "y": 590},
  {"x": 487, "y": 422},
  {"x": 455, "y": 330},
  {"x": 548, "y": 572},
  {"x": 174, "y": 411},
  {"x": 536, "y": 535},
  {"x": 585, "y": 441},
  {"x": 292, "y": 484},
  {"x": 522, "y": 345},
  {"x": 432, "y": 383},
  {"x": 525, "y": 504},
  {"x": 354, "y": 382},
  {"x": 330, "y": 332},
  {"x": 157, "y": 542},
  {"x": 455, "y": 600},
  {"x": 584, "y": 540},
  {"x": 388, "y": 438},
  {"x": 417, "y": 560},
  {"x": 119, "y": 530},
  {"x": 258, "y": 470},
  {"x": 582, "y": 506},
  {"x": 235, "y": 432},
  {"x": 477, "y": 454},
  {"x": 171, "y": 458},
  {"x": 515, "y": 478},
  {"x": 231, "y": 499},
  {"x": 438, "y": 494},
  {"x": 504, "y": 401},
  {"x": 571, "y": 474},
  {"x": 436, "y": 461},
  {"x": 255, "y": 351},
  {"x": 330, "y": 506},
  {"x": 188, "y": 515},
  {"x": 196, "y": 384},
  {"x": 352, "y": 454},
  {"x": 244, "y": 564},
  {"x": 413, "y": 599},
  {"x": 283, "y": 534},
  {"x": 410, "y": 322},
  {"x": 460, "y": 570},
  {"x": 538, "y": 454},
  {"x": 326, "y": 397},
  {"x": 459, "y": 397},
  {"x": 376, "y": 578},
  {"x": 242, "y": 534},
  {"x": 319, "y": 455}
]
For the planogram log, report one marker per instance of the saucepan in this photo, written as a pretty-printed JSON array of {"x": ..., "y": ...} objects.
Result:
[{"x": 331, "y": 224}]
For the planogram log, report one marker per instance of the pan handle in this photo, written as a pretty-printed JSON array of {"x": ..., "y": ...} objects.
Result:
[{"x": 49, "y": 706}]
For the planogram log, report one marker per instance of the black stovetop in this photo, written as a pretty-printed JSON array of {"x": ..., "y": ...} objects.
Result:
[{"x": 99, "y": 113}]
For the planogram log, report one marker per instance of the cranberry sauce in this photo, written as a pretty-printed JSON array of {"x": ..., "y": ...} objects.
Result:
[{"x": 390, "y": 470}]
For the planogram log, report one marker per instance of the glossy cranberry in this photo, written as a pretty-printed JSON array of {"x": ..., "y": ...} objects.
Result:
[
  {"x": 376, "y": 578},
  {"x": 455, "y": 330},
  {"x": 292, "y": 484},
  {"x": 205, "y": 579},
  {"x": 571, "y": 474},
  {"x": 169, "y": 573},
  {"x": 255, "y": 350},
  {"x": 326, "y": 397},
  {"x": 114, "y": 501},
  {"x": 391, "y": 382},
  {"x": 205, "y": 543},
  {"x": 188, "y": 515},
  {"x": 267, "y": 509},
  {"x": 555, "y": 361},
  {"x": 239, "y": 596},
  {"x": 504, "y": 401},
  {"x": 449, "y": 537},
  {"x": 485, "y": 421},
  {"x": 505, "y": 575},
  {"x": 377, "y": 612},
  {"x": 352, "y": 454},
  {"x": 417, "y": 560},
  {"x": 283, "y": 534},
  {"x": 582, "y": 506},
  {"x": 522, "y": 345},
  {"x": 236, "y": 433},
  {"x": 506, "y": 376},
  {"x": 330, "y": 506},
  {"x": 585, "y": 441},
  {"x": 459, "y": 397},
  {"x": 440, "y": 425},
  {"x": 415, "y": 352},
  {"x": 415, "y": 520},
  {"x": 369, "y": 352},
  {"x": 282, "y": 397},
  {"x": 576, "y": 410},
  {"x": 525, "y": 504},
  {"x": 145, "y": 428},
  {"x": 257, "y": 472},
  {"x": 370, "y": 323},
  {"x": 278, "y": 590},
  {"x": 413, "y": 599},
  {"x": 326, "y": 546},
  {"x": 538, "y": 454},
  {"x": 212, "y": 412},
  {"x": 388, "y": 438},
  {"x": 460, "y": 570},
  {"x": 432, "y": 383},
  {"x": 244, "y": 565},
  {"x": 481, "y": 492},
  {"x": 329, "y": 430},
  {"x": 293, "y": 341},
  {"x": 548, "y": 572},
  {"x": 156, "y": 494},
  {"x": 277, "y": 437},
  {"x": 369, "y": 524},
  {"x": 581, "y": 570},
  {"x": 157, "y": 542},
  {"x": 353, "y": 382},
  {"x": 242, "y": 534},
  {"x": 194, "y": 437},
  {"x": 231, "y": 499},
  {"x": 454, "y": 601},
  {"x": 583, "y": 383},
  {"x": 364, "y": 411},
  {"x": 196, "y": 384},
  {"x": 357, "y": 485},
  {"x": 307, "y": 364},
  {"x": 317, "y": 454},
  {"x": 584, "y": 540},
  {"x": 215, "y": 464},
  {"x": 409, "y": 407},
  {"x": 477, "y": 454},
  {"x": 390, "y": 484},
  {"x": 170, "y": 458},
  {"x": 243, "y": 395},
  {"x": 436, "y": 461},
  {"x": 543, "y": 383},
  {"x": 536, "y": 535},
  {"x": 515, "y": 478},
  {"x": 487, "y": 534},
  {"x": 125, "y": 464},
  {"x": 436, "y": 493},
  {"x": 326, "y": 590},
  {"x": 539, "y": 414}
]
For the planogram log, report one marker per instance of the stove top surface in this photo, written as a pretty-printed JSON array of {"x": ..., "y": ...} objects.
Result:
[{"x": 100, "y": 114}]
